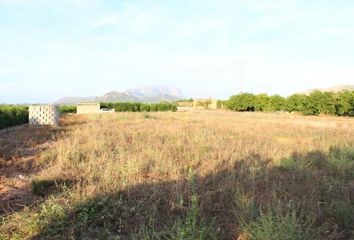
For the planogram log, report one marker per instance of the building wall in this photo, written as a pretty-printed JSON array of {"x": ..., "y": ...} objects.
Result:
[
  {"x": 44, "y": 115},
  {"x": 88, "y": 108}
]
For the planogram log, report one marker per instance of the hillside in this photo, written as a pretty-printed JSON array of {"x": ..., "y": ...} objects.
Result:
[
  {"x": 142, "y": 94},
  {"x": 336, "y": 88}
]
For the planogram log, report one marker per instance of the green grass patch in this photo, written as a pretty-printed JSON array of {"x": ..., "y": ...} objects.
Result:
[{"x": 269, "y": 227}]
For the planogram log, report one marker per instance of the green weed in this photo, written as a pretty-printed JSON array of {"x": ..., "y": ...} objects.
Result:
[
  {"x": 341, "y": 161},
  {"x": 288, "y": 163},
  {"x": 269, "y": 227}
]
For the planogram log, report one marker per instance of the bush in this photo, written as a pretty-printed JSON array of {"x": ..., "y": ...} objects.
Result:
[
  {"x": 12, "y": 115},
  {"x": 107, "y": 105},
  {"x": 262, "y": 103},
  {"x": 340, "y": 104},
  {"x": 242, "y": 102},
  {"x": 296, "y": 103},
  {"x": 67, "y": 109},
  {"x": 341, "y": 161},
  {"x": 277, "y": 228},
  {"x": 185, "y": 100},
  {"x": 344, "y": 104},
  {"x": 154, "y": 107},
  {"x": 140, "y": 107},
  {"x": 145, "y": 108},
  {"x": 277, "y": 102},
  {"x": 127, "y": 107},
  {"x": 164, "y": 107},
  {"x": 220, "y": 104}
]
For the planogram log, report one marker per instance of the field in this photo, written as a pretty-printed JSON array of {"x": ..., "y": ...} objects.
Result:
[{"x": 182, "y": 175}]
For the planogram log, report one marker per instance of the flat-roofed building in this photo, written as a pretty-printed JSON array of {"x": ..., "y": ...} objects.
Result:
[{"x": 88, "y": 108}]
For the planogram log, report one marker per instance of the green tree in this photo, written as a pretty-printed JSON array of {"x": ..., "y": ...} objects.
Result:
[
  {"x": 278, "y": 102},
  {"x": 296, "y": 103},
  {"x": 262, "y": 103},
  {"x": 205, "y": 103},
  {"x": 344, "y": 104},
  {"x": 321, "y": 102},
  {"x": 241, "y": 102}
]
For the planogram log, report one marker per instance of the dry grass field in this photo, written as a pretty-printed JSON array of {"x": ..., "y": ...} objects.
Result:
[{"x": 184, "y": 175}]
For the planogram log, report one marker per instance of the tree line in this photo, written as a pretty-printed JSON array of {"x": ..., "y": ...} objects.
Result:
[
  {"x": 127, "y": 107},
  {"x": 315, "y": 103},
  {"x": 140, "y": 107},
  {"x": 12, "y": 115}
]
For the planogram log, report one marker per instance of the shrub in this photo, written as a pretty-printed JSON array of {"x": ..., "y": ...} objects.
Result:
[
  {"x": 340, "y": 104},
  {"x": 241, "y": 102},
  {"x": 341, "y": 161},
  {"x": 12, "y": 115},
  {"x": 154, "y": 107},
  {"x": 141, "y": 107},
  {"x": 67, "y": 109},
  {"x": 185, "y": 100},
  {"x": 204, "y": 103},
  {"x": 288, "y": 163},
  {"x": 127, "y": 107},
  {"x": 276, "y": 228},
  {"x": 145, "y": 108},
  {"x": 221, "y": 104},
  {"x": 277, "y": 102},
  {"x": 164, "y": 106},
  {"x": 296, "y": 103},
  {"x": 109, "y": 105},
  {"x": 262, "y": 103},
  {"x": 344, "y": 104}
]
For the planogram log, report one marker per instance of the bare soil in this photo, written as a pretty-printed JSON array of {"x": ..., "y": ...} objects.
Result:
[{"x": 20, "y": 150}]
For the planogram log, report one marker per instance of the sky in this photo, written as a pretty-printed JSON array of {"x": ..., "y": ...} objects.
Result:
[{"x": 51, "y": 49}]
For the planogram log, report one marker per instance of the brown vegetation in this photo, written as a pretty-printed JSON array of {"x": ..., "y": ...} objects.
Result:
[{"x": 200, "y": 175}]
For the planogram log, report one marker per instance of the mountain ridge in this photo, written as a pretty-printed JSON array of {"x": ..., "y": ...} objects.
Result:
[
  {"x": 152, "y": 93},
  {"x": 335, "y": 88}
]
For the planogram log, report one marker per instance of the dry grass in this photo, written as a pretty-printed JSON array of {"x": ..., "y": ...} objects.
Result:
[{"x": 193, "y": 175}]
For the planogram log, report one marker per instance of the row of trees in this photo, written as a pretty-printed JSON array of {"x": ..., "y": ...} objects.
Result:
[
  {"x": 67, "y": 109},
  {"x": 140, "y": 107},
  {"x": 11, "y": 115},
  {"x": 340, "y": 104}
]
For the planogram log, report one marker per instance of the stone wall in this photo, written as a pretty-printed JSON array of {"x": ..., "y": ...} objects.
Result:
[{"x": 44, "y": 115}]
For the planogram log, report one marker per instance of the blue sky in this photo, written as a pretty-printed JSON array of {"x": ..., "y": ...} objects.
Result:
[{"x": 55, "y": 48}]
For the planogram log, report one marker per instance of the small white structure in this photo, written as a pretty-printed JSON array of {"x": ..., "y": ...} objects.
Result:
[
  {"x": 44, "y": 115},
  {"x": 88, "y": 108}
]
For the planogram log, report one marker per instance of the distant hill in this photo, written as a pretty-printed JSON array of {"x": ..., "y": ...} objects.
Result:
[
  {"x": 143, "y": 94},
  {"x": 75, "y": 100},
  {"x": 337, "y": 88}
]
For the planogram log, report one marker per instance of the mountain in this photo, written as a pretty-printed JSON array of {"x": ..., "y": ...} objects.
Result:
[
  {"x": 142, "y": 94},
  {"x": 115, "y": 96},
  {"x": 157, "y": 91},
  {"x": 75, "y": 100},
  {"x": 336, "y": 88}
]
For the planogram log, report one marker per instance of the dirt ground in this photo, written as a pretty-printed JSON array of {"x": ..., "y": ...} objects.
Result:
[{"x": 20, "y": 149}]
